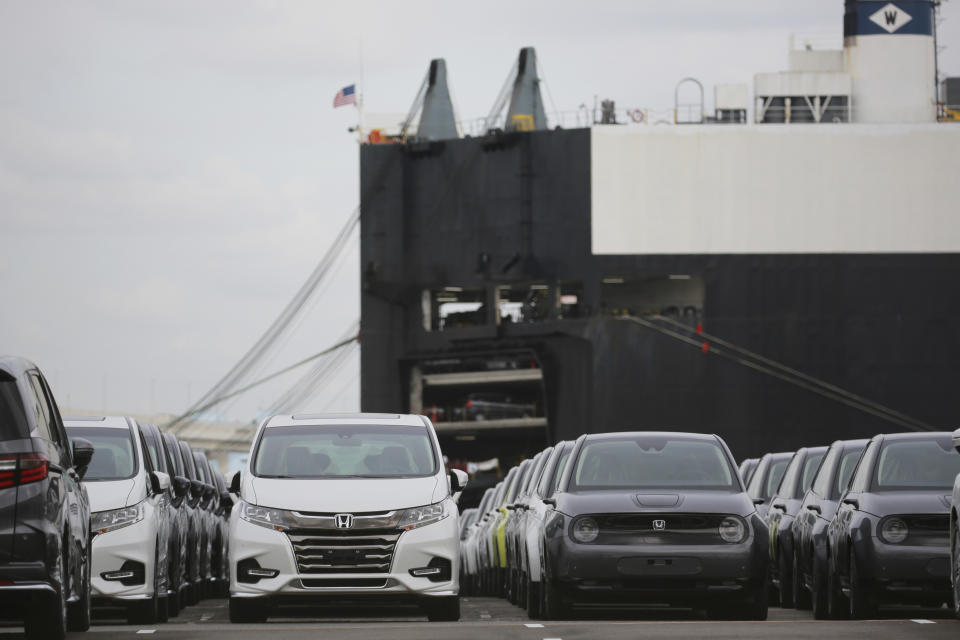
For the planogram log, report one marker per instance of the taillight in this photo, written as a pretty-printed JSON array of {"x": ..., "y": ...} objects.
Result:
[
  {"x": 23, "y": 469},
  {"x": 33, "y": 467},
  {"x": 8, "y": 471},
  {"x": 469, "y": 404}
]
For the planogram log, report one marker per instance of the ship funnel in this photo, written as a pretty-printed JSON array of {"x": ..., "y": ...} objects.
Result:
[
  {"x": 522, "y": 92},
  {"x": 437, "y": 118}
]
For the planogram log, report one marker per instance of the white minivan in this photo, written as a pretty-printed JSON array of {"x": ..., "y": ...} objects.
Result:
[
  {"x": 347, "y": 506},
  {"x": 128, "y": 519}
]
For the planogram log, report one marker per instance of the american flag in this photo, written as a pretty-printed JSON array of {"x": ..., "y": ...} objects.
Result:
[{"x": 347, "y": 95}]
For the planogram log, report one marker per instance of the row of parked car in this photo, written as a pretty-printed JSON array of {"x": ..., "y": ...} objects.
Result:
[
  {"x": 862, "y": 523},
  {"x": 101, "y": 511},
  {"x": 670, "y": 519}
]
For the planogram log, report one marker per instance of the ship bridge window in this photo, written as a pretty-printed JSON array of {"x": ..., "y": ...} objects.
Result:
[
  {"x": 679, "y": 296},
  {"x": 453, "y": 307}
]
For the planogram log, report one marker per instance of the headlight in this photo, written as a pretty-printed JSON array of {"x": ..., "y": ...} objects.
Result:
[
  {"x": 585, "y": 530},
  {"x": 422, "y": 516},
  {"x": 732, "y": 529},
  {"x": 105, "y": 521},
  {"x": 276, "y": 519},
  {"x": 893, "y": 530}
]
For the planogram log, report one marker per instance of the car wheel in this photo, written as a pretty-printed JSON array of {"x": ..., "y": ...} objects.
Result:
[
  {"x": 442, "y": 609},
  {"x": 533, "y": 599},
  {"x": 46, "y": 618},
  {"x": 247, "y": 611},
  {"x": 173, "y": 604},
  {"x": 143, "y": 611},
  {"x": 837, "y": 607},
  {"x": 801, "y": 597},
  {"x": 78, "y": 613},
  {"x": 553, "y": 608},
  {"x": 818, "y": 592},
  {"x": 955, "y": 564},
  {"x": 786, "y": 583},
  {"x": 861, "y": 605}
]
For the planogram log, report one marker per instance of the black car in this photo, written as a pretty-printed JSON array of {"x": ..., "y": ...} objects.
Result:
[
  {"x": 809, "y": 571},
  {"x": 765, "y": 480},
  {"x": 747, "y": 467},
  {"x": 494, "y": 406},
  {"x": 44, "y": 509},
  {"x": 783, "y": 510},
  {"x": 196, "y": 557},
  {"x": 890, "y": 539},
  {"x": 176, "y": 515},
  {"x": 216, "y": 528},
  {"x": 649, "y": 517}
]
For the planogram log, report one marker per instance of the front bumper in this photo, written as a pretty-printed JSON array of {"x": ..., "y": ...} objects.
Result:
[
  {"x": 132, "y": 544},
  {"x": 905, "y": 573},
  {"x": 670, "y": 574},
  {"x": 414, "y": 549}
]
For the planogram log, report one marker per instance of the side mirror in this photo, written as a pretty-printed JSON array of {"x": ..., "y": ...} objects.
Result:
[
  {"x": 226, "y": 500},
  {"x": 956, "y": 440},
  {"x": 550, "y": 501},
  {"x": 814, "y": 507},
  {"x": 181, "y": 486},
  {"x": 209, "y": 491},
  {"x": 458, "y": 480},
  {"x": 853, "y": 502},
  {"x": 235, "y": 483},
  {"x": 159, "y": 482},
  {"x": 196, "y": 489},
  {"x": 758, "y": 501},
  {"x": 82, "y": 455}
]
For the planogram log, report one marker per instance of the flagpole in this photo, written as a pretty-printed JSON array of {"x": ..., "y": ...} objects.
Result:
[{"x": 359, "y": 102}]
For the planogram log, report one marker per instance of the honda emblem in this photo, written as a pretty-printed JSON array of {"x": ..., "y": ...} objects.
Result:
[
  {"x": 343, "y": 520},
  {"x": 659, "y": 525}
]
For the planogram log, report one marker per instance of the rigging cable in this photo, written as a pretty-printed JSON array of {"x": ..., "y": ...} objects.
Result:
[
  {"x": 255, "y": 354},
  {"x": 779, "y": 371},
  {"x": 215, "y": 401},
  {"x": 799, "y": 374}
]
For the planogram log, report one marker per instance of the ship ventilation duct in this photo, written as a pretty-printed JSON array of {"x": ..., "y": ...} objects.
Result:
[
  {"x": 437, "y": 118},
  {"x": 522, "y": 92}
]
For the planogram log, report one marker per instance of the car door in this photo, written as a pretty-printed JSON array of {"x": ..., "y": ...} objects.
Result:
[
  {"x": 160, "y": 501},
  {"x": 65, "y": 486},
  {"x": 851, "y": 483}
]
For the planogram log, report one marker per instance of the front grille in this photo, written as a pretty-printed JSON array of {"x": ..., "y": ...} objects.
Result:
[
  {"x": 332, "y": 551},
  {"x": 344, "y": 583},
  {"x": 679, "y": 528},
  {"x": 928, "y": 530}
]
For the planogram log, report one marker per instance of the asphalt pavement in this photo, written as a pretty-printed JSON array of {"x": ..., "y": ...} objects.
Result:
[{"x": 490, "y": 618}]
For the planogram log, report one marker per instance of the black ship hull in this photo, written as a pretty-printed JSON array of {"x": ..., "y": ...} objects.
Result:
[{"x": 503, "y": 224}]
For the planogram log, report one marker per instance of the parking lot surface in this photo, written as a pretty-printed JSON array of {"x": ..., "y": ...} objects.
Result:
[{"x": 493, "y": 618}]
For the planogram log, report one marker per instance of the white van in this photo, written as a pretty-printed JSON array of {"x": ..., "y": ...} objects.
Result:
[
  {"x": 345, "y": 506},
  {"x": 128, "y": 519}
]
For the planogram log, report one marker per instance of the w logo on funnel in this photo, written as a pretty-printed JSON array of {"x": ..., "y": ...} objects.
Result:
[{"x": 890, "y": 18}]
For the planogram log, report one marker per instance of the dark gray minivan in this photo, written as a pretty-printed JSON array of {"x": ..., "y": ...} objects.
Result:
[{"x": 44, "y": 509}]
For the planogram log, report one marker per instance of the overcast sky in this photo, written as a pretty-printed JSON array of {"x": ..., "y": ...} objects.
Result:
[{"x": 171, "y": 171}]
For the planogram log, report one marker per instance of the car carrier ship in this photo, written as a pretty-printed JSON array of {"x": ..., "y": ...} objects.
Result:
[{"x": 782, "y": 272}]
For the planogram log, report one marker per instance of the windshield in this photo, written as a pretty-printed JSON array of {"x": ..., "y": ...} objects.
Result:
[
  {"x": 917, "y": 464},
  {"x": 345, "y": 451},
  {"x": 113, "y": 457},
  {"x": 651, "y": 462}
]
